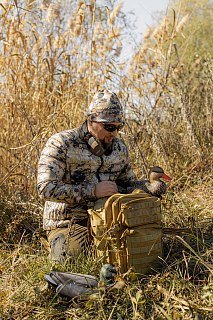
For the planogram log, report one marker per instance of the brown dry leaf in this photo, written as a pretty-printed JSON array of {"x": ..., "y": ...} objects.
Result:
[{"x": 118, "y": 285}]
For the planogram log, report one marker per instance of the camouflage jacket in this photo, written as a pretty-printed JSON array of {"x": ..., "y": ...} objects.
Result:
[{"x": 68, "y": 173}]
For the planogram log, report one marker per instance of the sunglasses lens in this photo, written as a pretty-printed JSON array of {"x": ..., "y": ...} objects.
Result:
[{"x": 112, "y": 127}]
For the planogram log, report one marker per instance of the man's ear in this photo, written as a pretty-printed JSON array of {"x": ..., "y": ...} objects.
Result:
[{"x": 89, "y": 124}]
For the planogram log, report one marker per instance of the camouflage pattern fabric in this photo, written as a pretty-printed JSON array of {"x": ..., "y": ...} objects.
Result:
[
  {"x": 66, "y": 242},
  {"x": 106, "y": 107},
  {"x": 68, "y": 173}
]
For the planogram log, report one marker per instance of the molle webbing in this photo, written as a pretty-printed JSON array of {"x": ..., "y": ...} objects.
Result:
[{"x": 127, "y": 231}]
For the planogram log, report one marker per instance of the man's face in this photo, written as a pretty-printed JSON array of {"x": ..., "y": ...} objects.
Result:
[{"x": 99, "y": 130}]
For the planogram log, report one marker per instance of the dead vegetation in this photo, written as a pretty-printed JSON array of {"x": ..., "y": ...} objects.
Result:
[{"x": 53, "y": 57}]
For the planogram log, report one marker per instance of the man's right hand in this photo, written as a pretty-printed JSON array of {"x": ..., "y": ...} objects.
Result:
[{"x": 105, "y": 189}]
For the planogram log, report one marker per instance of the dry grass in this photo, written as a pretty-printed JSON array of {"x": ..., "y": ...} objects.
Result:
[
  {"x": 53, "y": 56},
  {"x": 181, "y": 288}
]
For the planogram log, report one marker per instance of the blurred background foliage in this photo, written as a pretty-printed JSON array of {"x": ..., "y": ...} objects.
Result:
[{"x": 55, "y": 55}]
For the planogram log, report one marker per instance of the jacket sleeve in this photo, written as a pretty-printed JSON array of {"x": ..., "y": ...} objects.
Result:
[
  {"x": 127, "y": 181},
  {"x": 52, "y": 168}
]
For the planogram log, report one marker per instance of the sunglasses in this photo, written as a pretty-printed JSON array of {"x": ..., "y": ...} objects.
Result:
[{"x": 112, "y": 127}]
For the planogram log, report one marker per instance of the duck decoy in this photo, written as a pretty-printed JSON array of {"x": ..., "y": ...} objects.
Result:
[
  {"x": 154, "y": 185},
  {"x": 108, "y": 274},
  {"x": 75, "y": 284},
  {"x": 71, "y": 284}
]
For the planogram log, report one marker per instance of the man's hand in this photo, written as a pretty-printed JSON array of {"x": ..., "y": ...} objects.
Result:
[{"x": 105, "y": 189}]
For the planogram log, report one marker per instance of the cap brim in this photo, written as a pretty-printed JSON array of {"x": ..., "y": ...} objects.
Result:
[{"x": 108, "y": 119}]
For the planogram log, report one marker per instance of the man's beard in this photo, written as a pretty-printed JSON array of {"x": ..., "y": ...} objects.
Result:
[{"x": 107, "y": 147}]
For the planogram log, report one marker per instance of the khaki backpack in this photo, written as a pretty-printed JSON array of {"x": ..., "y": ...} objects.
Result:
[{"x": 127, "y": 230}]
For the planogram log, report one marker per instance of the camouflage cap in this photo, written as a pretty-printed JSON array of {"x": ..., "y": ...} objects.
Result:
[{"x": 106, "y": 107}]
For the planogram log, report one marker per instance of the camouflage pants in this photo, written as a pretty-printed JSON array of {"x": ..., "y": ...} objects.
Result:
[{"x": 66, "y": 242}]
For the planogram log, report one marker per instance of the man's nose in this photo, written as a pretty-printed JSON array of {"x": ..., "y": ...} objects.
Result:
[{"x": 114, "y": 133}]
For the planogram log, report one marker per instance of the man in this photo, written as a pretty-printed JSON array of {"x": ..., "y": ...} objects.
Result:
[{"x": 77, "y": 167}]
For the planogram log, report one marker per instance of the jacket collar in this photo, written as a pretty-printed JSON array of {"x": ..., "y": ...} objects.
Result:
[{"x": 83, "y": 131}]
